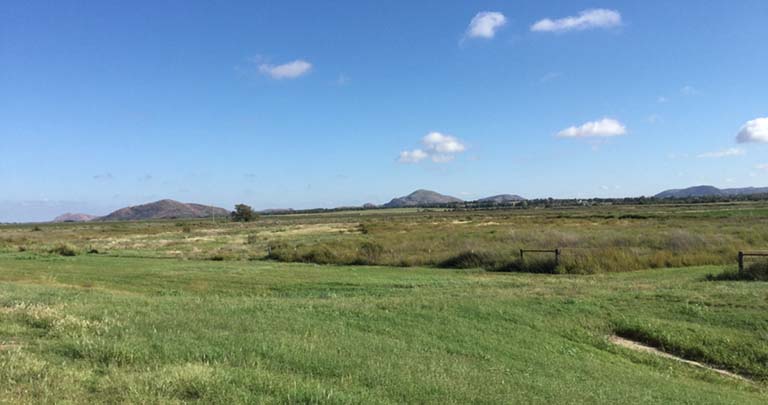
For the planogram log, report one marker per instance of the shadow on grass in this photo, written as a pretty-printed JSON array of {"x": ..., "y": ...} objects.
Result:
[
  {"x": 500, "y": 263},
  {"x": 754, "y": 272}
]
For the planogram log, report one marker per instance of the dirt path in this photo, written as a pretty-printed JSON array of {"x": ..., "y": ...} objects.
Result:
[{"x": 636, "y": 346}]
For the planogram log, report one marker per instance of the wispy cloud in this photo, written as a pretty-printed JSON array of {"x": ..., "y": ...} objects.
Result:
[
  {"x": 485, "y": 24},
  {"x": 689, "y": 91},
  {"x": 412, "y": 156},
  {"x": 438, "y": 147},
  {"x": 290, "y": 70},
  {"x": 587, "y": 19},
  {"x": 606, "y": 127},
  {"x": 755, "y": 130},
  {"x": 342, "y": 80},
  {"x": 722, "y": 153},
  {"x": 103, "y": 177},
  {"x": 550, "y": 77}
]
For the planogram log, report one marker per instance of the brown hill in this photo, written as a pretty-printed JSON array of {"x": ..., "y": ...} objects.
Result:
[
  {"x": 70, "y": 217},
  {"x": 165, "y": 209}
]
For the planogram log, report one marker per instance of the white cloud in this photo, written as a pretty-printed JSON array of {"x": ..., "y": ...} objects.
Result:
[
  {"x": 440, "y": 148},
  {"x": 550, "y": 77},
  {"x": 342, "y": 80},
  {"x": 761, "y": 166},
  {"x": 755, "y": 130},
  {"x": 605, "y": 127},
  {"x": 412, "y": 156},
  {"x": 485, "y": 24},
  {"x": 587, "y": 19},
  {"x": 290, "y": 70},
  {"x": 435, "y": 141},
  {"x": 722, "y": 153},
  {"x": 662, "y": 100},
  {"x": 689, "y": 91}
]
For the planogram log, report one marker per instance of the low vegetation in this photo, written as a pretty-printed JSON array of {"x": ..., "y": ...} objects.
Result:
[
  {"x": 100, "y": 328},
  {"x": 593, "y": 239}
]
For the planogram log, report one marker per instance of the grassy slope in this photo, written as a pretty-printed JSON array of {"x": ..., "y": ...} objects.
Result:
[{"x": 119, "y": 329}]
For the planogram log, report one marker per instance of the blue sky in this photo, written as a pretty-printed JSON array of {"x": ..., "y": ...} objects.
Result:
[{"x": 319, "y": 104}]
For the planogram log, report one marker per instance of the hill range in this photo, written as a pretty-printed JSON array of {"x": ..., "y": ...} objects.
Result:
[{"x": 710, "y": 191}]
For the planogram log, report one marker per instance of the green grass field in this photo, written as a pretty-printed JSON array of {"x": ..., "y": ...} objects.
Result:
[
  {"x": 98, "y": 328},
  {"x": 192, "y": 310}
]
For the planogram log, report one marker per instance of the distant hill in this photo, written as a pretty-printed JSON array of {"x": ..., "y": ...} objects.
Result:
[
  {"x": 165, "y": 209},
  {"x": 710, "y": 191},
  {"x": 501, "y": 199},
  {"x": 421, "y": 198},
  {"x": 70, "y": 217},
  {"x": 276, "y": 211}
]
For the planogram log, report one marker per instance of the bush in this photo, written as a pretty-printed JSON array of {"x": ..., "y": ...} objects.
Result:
[
  {"x": 470, "y": 260},
  {"x": 370, "y": 252},
  {"x": 63, "y": 250},
  {"x": 320, "y": 255}
]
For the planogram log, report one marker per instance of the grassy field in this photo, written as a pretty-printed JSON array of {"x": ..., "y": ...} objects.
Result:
[
  {"x": 95, "y": 328},
  {"x": 184, "y": 311},
  {"x": 593, "y": 240}
]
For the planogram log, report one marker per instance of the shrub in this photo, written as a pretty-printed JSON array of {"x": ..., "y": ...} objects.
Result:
[
  {"x": 319, "y": 255},
  {"x": 470, "y": 260},
  {"x": 370, "y": 252},
  {"x": 63, "y": 250}
]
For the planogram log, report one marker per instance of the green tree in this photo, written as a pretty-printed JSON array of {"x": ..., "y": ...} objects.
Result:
[{"x": 243, "y": 213}]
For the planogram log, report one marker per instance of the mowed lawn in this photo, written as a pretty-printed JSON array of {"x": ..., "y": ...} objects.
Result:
[{"x": 104, "y": 329}]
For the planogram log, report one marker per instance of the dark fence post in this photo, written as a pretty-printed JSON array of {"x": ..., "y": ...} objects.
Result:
[
  {"x": 557, "y": 257},
  {"x": 521, "y": 255},
  {"x": 741, "y": 261}
]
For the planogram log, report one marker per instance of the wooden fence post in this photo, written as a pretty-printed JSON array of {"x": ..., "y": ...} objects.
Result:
[
  {"x": 741, "y": 261},
  {"x": 557, "y": 257},
  {"x": 522, "y": 258}
]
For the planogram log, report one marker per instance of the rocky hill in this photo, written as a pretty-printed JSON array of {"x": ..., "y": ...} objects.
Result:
[
  {"x": 70, "y": 217},
  {"x": 710, "y": 191},
  {"x": 501, "y": 199},
  {"x": 165, "y": 209},
  {"x": 420, "y": 198}
]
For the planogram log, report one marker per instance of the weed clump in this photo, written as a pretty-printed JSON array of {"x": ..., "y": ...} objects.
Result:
[
  {"x": 470, "y": 260},
  {"x": 63, "y": 249}
]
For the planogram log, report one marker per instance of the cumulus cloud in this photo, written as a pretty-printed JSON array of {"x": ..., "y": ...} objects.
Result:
[
  {"x": 755, "y": 130},
  {"x": 435, "y": 141},
  {"x": 605, "y": 127},
  {"x": 290, "y": 70},
  {"x": 412, "y": 156},
  {"x": 722, "y": 153},
  {"x": 438, "y": 147},
  {"x": 485, "y": 24},
  {"x": 587, "y": 19}
]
